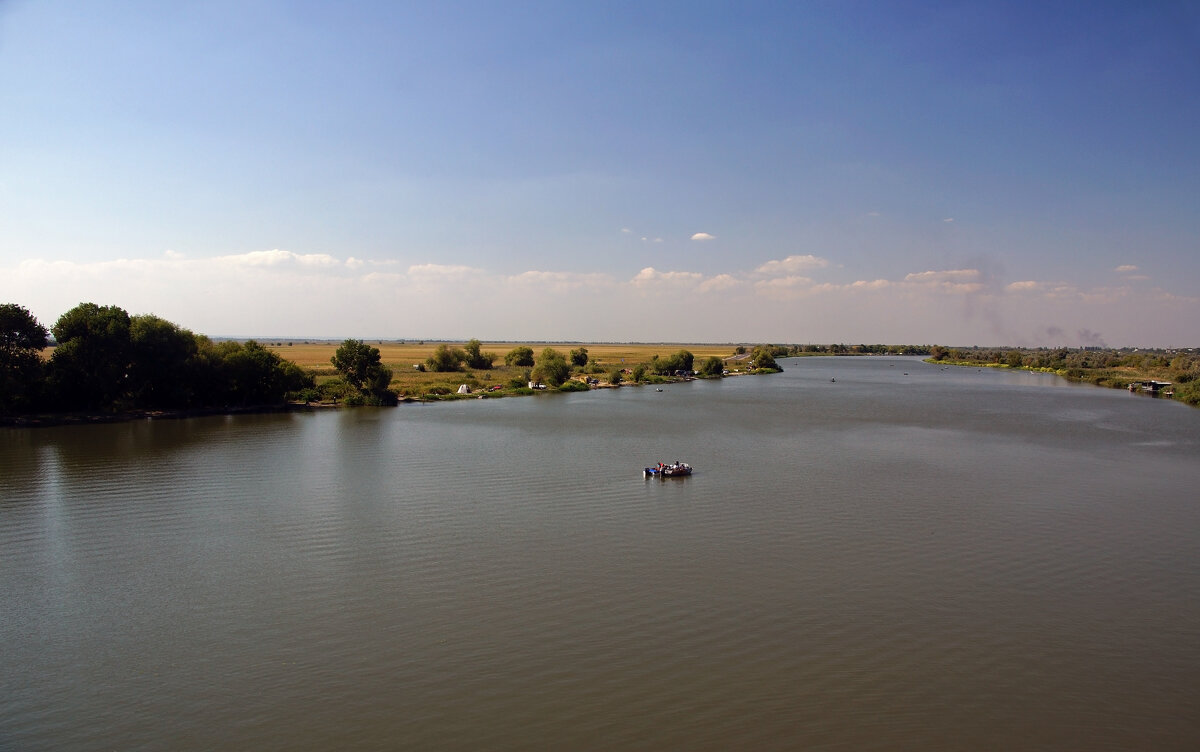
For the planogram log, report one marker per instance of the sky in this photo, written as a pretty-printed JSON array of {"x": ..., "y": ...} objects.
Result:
[{"x": 1001, "y": 173}]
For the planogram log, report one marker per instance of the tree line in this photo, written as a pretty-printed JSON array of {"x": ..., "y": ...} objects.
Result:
[
  {"x": 1102, "y": 366},
  {"x": 105, "y": 360}
]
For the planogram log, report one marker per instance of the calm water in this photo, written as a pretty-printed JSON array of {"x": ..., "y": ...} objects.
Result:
[{"x": 908, "y": 558}]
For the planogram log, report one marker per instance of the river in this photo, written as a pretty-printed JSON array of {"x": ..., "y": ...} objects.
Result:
[{"x": 873, "y": 553}]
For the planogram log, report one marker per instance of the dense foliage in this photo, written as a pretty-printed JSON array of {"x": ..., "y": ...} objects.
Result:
[
  {"x": 1105, "y": 367},
  {"x": 519, "y": 356},
  {"x": 712, "y": 366},
  {"x": 551, "y": 368},
  {"x": 476, "y": 359},
  {"x": 105, "y": 360},
  {"x": 22, "y": 339},
  {"x": 762, "y": 358},
  {"x": 360, "y": 366},
  {"x": 446, "y": 359},
  {"x": 679, "y": 363}
]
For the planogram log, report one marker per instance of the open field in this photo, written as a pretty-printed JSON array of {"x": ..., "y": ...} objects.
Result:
[{"x": 407, "y": 381}]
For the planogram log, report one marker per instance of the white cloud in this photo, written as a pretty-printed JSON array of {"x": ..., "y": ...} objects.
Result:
[
  {"x": 280, "y": 293},
  {"x": 784, "y": 282},
  {"x": 1027, "y": 285},
  {"x": 443, "y": 271},
  {"x": 651, "y": 276},
  {"x": 703, "y": 236},
  {"x": 873, "y": 284},
  {"x": 791, "y": 265},
  {"x": 939, "y": 277},
  {"x": 719, "y": 283},
  {"x": 280, "y": 258},
  {"x": 1126, "y": 268}
]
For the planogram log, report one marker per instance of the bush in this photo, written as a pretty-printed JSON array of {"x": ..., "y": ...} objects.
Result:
[
  {"x": 519, "y": 356},
  {"x": 446, "y": 359}
]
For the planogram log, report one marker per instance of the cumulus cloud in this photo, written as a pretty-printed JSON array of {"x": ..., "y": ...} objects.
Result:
[
  {"x": 791, "y": 265},
  {"x": 442, "y": 270},
  {"x": 872, "y": 284},
  {"x": 282, "y": 293},
  {"x": 783, "y": 286},
  {"x": 1026, "y": 285},
  {"x": 951, "y": 275},
  {"x": 719, "y": 283},
  {"x": 952, "y": 280},
  {"x": 650, "y": 276},
  {"x": 277, "y": 258},
  {"x": 703, "y": 236}
]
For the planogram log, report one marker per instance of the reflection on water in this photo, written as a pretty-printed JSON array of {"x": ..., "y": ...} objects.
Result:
[{"x": 905, "y": 558}]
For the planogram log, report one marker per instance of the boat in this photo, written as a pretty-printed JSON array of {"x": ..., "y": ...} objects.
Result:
[{"x": 676, "y": 470}]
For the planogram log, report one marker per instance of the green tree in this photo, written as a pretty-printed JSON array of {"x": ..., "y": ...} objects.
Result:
[
  {"x": 763, "y": 360},
  {"x": 160, "y": 363},
  {"x": 22, "y": 338},
  {"x": 363, "y": 371},
  {"x": 258, "y": 376},
  {"x": 446, "y": 359},
  {"x": 480, "y": 361},
  {"x": 551, "y": 368},
  {"x": 679, "y": 361},
  {"x": 579, "y": 357},
  {"x": 712, "y": 366},
  {"x": 616, "y": 377},
  {"x": 357, "y": 362},
  {"x": 89, "y": 366},
  {"x": 519, "y": 356}
]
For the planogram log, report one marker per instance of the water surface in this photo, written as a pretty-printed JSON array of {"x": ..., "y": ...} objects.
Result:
[{"x": 873, "y": 553}]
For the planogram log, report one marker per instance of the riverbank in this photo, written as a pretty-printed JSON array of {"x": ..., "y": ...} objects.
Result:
[
  {"x": 604, "y": 365},
  {"x": 609, "y": 366},
  {"x": 1114, "y": 377}
]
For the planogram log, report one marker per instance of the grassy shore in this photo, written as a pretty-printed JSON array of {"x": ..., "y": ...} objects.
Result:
[
  {"x": 1116, "y": 377},
  {"x": 410, "y": 383}
]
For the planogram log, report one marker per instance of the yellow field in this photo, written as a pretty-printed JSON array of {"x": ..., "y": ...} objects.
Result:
[{"x": 406, "y": 380}]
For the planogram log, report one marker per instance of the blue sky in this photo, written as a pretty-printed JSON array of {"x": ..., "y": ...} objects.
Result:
[{"x": 962, "y": 173}]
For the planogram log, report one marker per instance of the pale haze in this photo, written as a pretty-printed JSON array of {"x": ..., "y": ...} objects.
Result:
[{"x": 956, "y": 173}]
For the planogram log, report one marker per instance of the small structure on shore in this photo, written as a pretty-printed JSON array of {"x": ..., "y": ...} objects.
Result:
[{"x": 1151, "y": 386}]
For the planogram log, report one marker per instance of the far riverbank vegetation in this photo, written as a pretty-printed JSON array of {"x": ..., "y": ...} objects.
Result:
[
  {"x": 1172, "y": 373},
  {"x": 102, "y": 363}
]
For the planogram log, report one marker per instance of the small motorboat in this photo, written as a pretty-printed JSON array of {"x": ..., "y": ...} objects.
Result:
[{"x": 675, "y": 470}]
